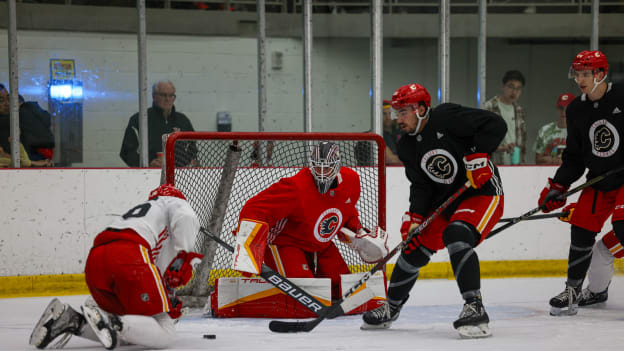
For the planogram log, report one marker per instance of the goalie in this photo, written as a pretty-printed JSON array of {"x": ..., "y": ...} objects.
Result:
[
  {"x": 291, "y": 224},
  {"x": 129, "y": 300}
]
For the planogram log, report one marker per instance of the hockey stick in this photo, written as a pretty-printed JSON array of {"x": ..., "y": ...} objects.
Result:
[
  {"x": 561, "y": 197},
  {"x": 335, "y": 310},
  {"x": 542, "y": 216},
  {"x": 291, "y": 289}
]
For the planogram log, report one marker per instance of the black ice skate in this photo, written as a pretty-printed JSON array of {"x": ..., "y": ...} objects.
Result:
[
  {"x": 104, "y": 325},
  {"x": 566, "y": 303},
  {"x": 58, "y": 319},
  {"x": 473, "y": 320},
  {"x": 589, "y": 298},
  {"x": 382, "y": 317}
]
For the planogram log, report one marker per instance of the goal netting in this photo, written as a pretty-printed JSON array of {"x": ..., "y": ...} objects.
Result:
[{"x": 219, "y": 172}]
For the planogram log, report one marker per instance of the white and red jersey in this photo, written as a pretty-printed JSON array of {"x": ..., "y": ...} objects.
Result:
[
  {"x": 298, "y": 215},
  {"x": 168, "y": 224}
]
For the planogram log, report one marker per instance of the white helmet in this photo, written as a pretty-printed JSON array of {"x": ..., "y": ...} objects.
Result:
[{"x": 324, "y": 165}]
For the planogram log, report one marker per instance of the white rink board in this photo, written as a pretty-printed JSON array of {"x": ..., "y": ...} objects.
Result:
[{"x": 51, "y": 216}]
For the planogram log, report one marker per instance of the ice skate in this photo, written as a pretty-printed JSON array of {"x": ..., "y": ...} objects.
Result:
[
  {"x": 473, "y": 320},
  {"x": 566, "y": 303},
  {"x": 104, "y": 327},
  {"x": 592, "y": 299},
  {"x": 382, "y": 317},
  {"x": 58, "y": 319}
]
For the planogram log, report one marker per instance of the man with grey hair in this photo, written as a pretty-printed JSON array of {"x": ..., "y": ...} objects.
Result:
[{"x": 162, "y": 118}]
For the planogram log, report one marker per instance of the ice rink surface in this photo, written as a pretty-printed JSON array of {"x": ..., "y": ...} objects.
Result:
[{"x": 518, "y": 310}]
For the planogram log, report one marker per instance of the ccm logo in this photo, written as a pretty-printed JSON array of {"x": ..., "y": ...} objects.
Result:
[{"x": 295, "y": 293}]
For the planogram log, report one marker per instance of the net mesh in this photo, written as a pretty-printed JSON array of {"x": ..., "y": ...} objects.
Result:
[{"x": 219, "y": 175}]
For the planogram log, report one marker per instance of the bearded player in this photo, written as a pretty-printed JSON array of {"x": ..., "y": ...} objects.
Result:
[
  {"x": 442, "y": 149},
  {"x": 129, "y": 300},
  {"x": 595, "y": 123},
  {"x": 291, "y": 225}
]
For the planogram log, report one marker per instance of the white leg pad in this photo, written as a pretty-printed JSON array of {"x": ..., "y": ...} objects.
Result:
[
  {"x": 600, "y": 269},
  {"x": 154, "y": 332}
]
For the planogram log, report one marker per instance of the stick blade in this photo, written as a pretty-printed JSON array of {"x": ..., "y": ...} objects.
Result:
[{"x": 292, "y": 327}]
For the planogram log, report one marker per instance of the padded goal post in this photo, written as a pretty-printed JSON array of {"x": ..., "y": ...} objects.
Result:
[{"x": 218, "y": 172}]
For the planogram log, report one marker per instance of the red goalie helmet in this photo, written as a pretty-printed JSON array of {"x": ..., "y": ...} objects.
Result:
[
  {"x": 410, "y": 95},
  {"x": 166, "y": 190},
  {"x": 590, "y": 60}
]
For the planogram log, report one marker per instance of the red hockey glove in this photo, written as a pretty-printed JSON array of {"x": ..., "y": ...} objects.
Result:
[
  {"x": 549, "y": 197},
  {"x": 180, "y": 270},
  {"x": 176, "y": 307},
  {"x": 411, "y": 221},
  {"x": 477, "y": 169},
  {"x": 567, "y": 212}
]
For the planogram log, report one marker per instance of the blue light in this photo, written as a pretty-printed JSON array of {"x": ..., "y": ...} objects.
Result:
[
  {"x": 478, "y": 97},
  {"x": 76, "y": 92},
  {"x": 61, "y": 92},
  {"x": 439, "y": 95},
  {"x": 370, "y": 92}
]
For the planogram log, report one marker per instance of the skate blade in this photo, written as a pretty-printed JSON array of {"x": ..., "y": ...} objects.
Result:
[
  {"x": 474, "y": 331},
  {"x": 52, "y": 312},
  {"x": 366, "y": 326},
  {"x": 565, "y": 311}
]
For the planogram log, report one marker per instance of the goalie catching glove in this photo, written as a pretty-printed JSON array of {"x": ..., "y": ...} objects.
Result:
[
  {"x": 478, "y": 170},
  {"x": 251, "y": 241},
  {"x": 372, "y": 246},
  {"x": 180, "y": 270}
]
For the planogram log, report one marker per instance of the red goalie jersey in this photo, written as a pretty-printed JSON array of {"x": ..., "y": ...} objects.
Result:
[{"x": 298, "y": 215}]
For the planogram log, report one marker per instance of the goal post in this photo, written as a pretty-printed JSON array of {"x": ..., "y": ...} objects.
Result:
[{"x": 219, "y": 171}]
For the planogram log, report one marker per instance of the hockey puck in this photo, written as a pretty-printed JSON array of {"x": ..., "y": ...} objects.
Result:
[{"x": 210, "y": 336}]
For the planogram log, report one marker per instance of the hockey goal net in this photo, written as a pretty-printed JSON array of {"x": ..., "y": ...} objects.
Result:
[{"x": 219, "y": 172}]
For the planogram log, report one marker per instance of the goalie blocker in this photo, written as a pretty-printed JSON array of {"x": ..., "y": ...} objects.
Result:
[{"x": 256, "y": 298}]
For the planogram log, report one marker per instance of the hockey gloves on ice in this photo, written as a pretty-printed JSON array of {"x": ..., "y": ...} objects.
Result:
[
  {"x": 180, "y": 270},
  {"x": 411, "y": 221},
  {"x": 478, "y": 170},
  {"x": 567, "y": 211},
  {"x": 550, "y": 199}
]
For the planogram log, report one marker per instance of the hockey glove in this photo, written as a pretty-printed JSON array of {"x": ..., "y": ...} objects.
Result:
[
  {"x": 549, "y": 198},
  {"x": 478, "y": 170},
  {"x": 180, "y": 270},
  {"x": 411, "y": 221},
  {"x": 567, "y": 211},
  {"x": 176, "y": 307},
  {"x": 372, "y": 246}
]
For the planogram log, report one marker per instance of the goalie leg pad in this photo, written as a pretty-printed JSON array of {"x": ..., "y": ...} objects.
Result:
[
  {"x": 251, "y": 241},
  {"x": 256, "y": 298},
  {"x": 376, "y": 284},
  {"x": 601, "y": 266}
]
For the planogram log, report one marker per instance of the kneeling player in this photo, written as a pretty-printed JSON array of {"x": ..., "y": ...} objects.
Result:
[
  {"x": 291, "y": 224},
  {"x": 129, "y": 302}
]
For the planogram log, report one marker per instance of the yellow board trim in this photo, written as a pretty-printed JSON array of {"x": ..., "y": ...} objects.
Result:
[{"x": 74, "y": 284}]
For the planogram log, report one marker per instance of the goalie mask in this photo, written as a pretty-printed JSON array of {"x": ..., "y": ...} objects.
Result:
[
  {"x": 324, "y": 165},
  {"x": 166, "y": 190}
]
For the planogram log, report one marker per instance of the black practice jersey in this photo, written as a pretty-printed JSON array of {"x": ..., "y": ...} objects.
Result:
[
  {"x": 433, "y": 159},
  {"x": 595, "y": 131}
]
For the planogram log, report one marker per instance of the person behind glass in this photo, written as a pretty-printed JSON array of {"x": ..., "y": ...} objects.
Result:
[
  {"x": 512, "y": 150},
  {"x": 162, "y": 118},
  {"x": 551, "y": 138},
  {"x": 391, "y": 134},
  {"x": 36, "y": 135}
]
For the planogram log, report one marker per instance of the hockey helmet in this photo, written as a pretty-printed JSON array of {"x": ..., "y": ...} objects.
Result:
[
  {"x": 590, "y": 60},
  {"x": 410, "y": 95},
  {"x": 324, "y": 164},
  {"x": 166, "y": 190}
]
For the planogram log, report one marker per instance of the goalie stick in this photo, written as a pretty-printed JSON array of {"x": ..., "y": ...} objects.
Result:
[
  {"x": 291, "y": 289},
  {"x": 526, "y": 215},
  {"x": 335, "y": 309}
]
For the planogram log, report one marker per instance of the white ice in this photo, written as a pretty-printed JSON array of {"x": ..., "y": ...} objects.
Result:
[{"x": 518, "y": 310}]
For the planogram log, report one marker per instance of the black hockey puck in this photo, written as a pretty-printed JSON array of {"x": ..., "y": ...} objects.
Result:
[{"x": 210, "y": 336}]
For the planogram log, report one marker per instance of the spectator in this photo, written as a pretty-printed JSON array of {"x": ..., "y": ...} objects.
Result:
[
  {"x": 551, "y": 138},
  {"x": 36, "y": 135},
  {"x": 506, "y": 106},
  {"x": 162, "y": 118},
  {"x": 5, "y": 122},
  {"x": 25, "y": 161},
  {"x": 391, "y": 135}
]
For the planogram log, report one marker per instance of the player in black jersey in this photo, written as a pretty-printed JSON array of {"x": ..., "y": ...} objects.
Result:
[
  {"x": 442, "y": 149},
  {"x": 595, "y": 123}
]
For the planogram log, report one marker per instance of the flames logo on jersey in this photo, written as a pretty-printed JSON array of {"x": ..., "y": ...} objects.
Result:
[
  {"x": 440, "y": 166},
  {"x": 327, "y": 225},
  {"x": 604, "y": 138}
]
